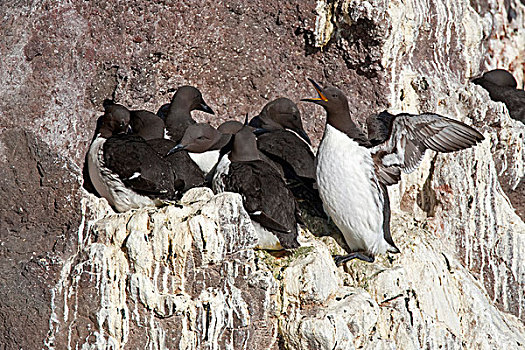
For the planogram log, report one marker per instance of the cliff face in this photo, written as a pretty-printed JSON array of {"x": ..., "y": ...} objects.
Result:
[{"x": 77, "y": 275}]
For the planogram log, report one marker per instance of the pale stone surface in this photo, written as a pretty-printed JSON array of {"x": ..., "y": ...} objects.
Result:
[
  {"x": 199, "y": 278},
  {"x": 191, "y": 266}
]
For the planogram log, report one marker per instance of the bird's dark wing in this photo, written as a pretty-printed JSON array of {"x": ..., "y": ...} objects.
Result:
[
  {"x": 386, "y": 219},
  {"x": 378, "y": 127},
  {"x": 411, "y": 136},
  {"x": 138, "y": 166},
  {"x": 290, "y": 151},
  {"x": 265, "y": 198},
  {"x": 183, "y": 167}
]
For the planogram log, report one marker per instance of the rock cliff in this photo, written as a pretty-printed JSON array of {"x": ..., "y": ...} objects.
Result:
[{"x": 77, "y": 275}]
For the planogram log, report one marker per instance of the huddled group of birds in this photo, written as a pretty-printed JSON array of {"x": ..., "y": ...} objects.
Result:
[{"x": 139, "y": 159}]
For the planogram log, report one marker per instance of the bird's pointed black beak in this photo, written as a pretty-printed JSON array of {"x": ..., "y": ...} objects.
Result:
[
  {"x": 205, "y": 108},
  {"x": 260, "y": 131},
  {"x": 246, "y": 119},
  {"x": 318, "y": 100},
  {"x": 175, "y": 149}
]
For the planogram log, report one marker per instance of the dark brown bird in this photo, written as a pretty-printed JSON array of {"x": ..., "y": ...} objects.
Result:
[
  {"x": 502, "y": 87},
  {"x": 124, "y": 169},
  {"x": 266, "y": 198},
  {"x": 283, "y": 140}
]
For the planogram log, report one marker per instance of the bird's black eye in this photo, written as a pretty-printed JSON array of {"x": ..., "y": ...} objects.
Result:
[{"x": 334, "y": 96}]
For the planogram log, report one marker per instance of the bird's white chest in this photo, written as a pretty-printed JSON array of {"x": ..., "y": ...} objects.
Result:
[
  {"x": 348, "y": 188},
  {"x": 222, "y": 170},
  {"x": 206, "y": 160},
  {"x": 109, "y": 185},
  {"x": 95, "y": 167}
]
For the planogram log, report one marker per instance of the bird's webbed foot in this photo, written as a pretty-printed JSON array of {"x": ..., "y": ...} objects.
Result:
[{"x": 341, "y": 259}]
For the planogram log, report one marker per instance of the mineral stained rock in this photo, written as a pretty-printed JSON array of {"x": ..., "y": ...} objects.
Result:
[{"x": 77, "y": 275}]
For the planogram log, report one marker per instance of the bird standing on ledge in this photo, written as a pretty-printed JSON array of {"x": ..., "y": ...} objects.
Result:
[
  {"x": 124, "y": 169},
  {"x": 287, "y": 146},
  {"x": 271, "y": 206},
  {"x": 352, "y": 174}
]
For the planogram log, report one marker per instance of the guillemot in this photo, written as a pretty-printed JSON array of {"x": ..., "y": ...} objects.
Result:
[
  {"x": 502, "y": 87},
  {"x": 285, "y": 143},
  {"x": 271, "y": 206},
  {"x": 178, "y": 117},
  {"x": 143, "y": 123},
  {"x": 203, "y": 144},
  {"x": 124, "y": 169},
  {"x": 352, "y": 174}
]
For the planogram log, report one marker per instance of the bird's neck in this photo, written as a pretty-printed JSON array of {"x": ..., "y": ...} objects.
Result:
[
  {"x": 342, "y": 121},
  {"x": 178, "y": 114}
]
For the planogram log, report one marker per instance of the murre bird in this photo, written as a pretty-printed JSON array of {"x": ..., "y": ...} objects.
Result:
[
  {"x": 285, "y": 142},
  {"x": 143, "y": 123},
  {"x": 271, "y": 206},
  {"x": 203, "y": 144},
  {"x": 178, "y": 118},
  {"x": 124, "y": 169},
  {"x": 502, "y": 87},
  {"x": 352, "y": 175}
]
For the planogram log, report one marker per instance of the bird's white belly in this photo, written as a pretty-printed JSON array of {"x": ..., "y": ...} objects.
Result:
[
  {"x": 109, "y": 185},
  {"x": 265, "y": 238},
  {"x": 206, "y": 160},
  {"x": 349, "y": 191},
  {"x": 222, "y": 170}
]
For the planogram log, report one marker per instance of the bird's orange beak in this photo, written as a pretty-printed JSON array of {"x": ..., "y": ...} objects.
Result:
[{"x": 319, "y": 91}]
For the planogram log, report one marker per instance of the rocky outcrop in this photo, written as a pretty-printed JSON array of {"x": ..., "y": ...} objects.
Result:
[
  {"x": 180, "y": 277},
  {"x": 188, "y": 277}
]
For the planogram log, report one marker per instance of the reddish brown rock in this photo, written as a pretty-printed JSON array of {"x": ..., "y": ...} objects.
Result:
[{"x": 39, "y": 219}]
